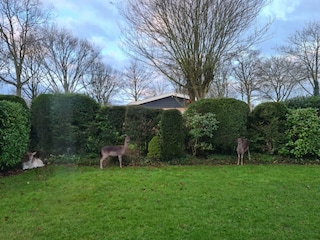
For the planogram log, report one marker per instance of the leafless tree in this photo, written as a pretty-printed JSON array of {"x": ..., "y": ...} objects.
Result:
[
  {"x": 304, "y": 47},
  {"x": 18, "y": 20},
  {"x": 34, "y": 71},
  {"x": 185, "y": 40},
  {"x": 103, "y": 83},
  {"x": 137, "y": 80},
  {"x": 220, "y": 85},
  {"x": 67, "y": 59},
  {"x": 160, "y": 85},
  {"x": 279, "y": 76},
  {"x": 245, "y": 70}
]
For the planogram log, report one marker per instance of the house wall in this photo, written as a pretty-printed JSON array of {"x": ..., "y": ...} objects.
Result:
[{"x": 167, "y": 103}]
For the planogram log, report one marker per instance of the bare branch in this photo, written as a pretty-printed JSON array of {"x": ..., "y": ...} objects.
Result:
[{"x": 185, "y": 40}]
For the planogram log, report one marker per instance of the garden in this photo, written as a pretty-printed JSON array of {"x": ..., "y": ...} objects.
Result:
[{"x": 179, "y": 181}]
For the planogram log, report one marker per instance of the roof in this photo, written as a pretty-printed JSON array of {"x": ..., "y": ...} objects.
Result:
[{"x": 155, "y": 98}]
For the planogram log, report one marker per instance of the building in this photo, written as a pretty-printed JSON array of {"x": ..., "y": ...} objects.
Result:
[{"x": 165, "y": 101}]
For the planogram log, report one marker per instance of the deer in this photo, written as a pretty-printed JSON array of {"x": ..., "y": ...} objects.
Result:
[
  {"x": 32, "y": 162},
  {"x": 243, "y": 146},
  {"x": 114, "y": 151}
]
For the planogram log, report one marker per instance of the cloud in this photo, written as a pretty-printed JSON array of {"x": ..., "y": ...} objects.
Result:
[{"x": 280, "y": 9}]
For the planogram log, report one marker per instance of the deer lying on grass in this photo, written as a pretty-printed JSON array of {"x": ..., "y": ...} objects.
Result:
[
  {"x": 32, "y": 162},
  {"x": 243, "y": 146},
  {"x": 114, "y": 151}
]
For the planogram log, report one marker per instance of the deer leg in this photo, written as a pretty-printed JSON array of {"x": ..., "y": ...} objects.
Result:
[
  {"x": 101, "y": 160},
  {"x": 238, "y": 159},
  {"x": 120, "y": 160},
  {"x": 242, "y": 155}
]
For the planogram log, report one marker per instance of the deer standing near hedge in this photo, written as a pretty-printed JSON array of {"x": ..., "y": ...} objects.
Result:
[
  {"x": 243, "y": 146},
  {"x": 114, "y": 151}
]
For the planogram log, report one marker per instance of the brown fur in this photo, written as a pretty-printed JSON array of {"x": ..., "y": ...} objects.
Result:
[
  {"x": 243, "y": 146},
  {"x": 114, "y": 151}
]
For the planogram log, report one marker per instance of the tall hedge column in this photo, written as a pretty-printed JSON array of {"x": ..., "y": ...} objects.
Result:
[{"x": 172, "y": 135}]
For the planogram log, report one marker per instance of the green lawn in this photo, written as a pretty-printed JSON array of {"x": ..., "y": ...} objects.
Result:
[{"x": 177, "y": 202}]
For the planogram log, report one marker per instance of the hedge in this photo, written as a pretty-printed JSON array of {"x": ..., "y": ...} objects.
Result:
[
  {"x": 14, "y": 133},
  {"x": 232, "y": 115}
]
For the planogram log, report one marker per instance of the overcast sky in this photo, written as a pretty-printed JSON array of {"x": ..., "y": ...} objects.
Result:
[{"x": 97, "y": 21}]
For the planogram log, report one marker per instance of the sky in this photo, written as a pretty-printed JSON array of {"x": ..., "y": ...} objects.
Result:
[{"x": 98, "y": 21}]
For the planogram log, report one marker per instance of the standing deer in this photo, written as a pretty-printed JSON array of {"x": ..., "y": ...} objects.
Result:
[
  {"x": 114, "y": 151},
  {"x": 243, "y": 146},
  {"x": 32, "y": 162}
]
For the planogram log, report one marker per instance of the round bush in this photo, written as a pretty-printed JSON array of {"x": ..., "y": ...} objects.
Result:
[{"x": 154, "y": 148}]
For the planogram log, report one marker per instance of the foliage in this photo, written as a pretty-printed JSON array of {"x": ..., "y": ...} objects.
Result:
[
  {"x": 141, "y": 123},
  {"x": 232, "y": 116},
  {"x": 14, "y": 133},
  {"x": 303, "y": 102},
  {"x": 201, "y": 127},
  {"x": 172, "y": 134},
  {"x": 13, "y": 98},
  {"x": 106, "y": 129},
  {"x": 154, "y": 148},
  {"x": 267, "y": 127},
  {"x": 303, "y": 134},
  {"x": 41, "y": 128},
  {"x": 62, "y": 121},
  {"x": 64, "y": 159}
]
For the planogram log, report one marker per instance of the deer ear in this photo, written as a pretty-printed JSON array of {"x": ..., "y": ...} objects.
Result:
[{"x": 34, "y": 153}]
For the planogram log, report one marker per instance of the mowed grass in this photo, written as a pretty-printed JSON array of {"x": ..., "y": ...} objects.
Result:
[{"x": 176, "y": 202}]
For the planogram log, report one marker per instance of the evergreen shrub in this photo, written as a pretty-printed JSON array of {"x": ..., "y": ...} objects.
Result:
[
  {"x": 267, "y": 126},
  {"x": 172, "y": 135},
  {"x": 154, "y": 148},
  {"x": 303, "y": 134},
  {"x": 14, "y": 133},
  {"x": 141, "y": 125},
  {"x": 232, "y": 115},
  {"x": 61, "y": 122}
]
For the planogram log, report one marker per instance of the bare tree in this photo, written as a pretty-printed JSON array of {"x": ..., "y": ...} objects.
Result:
[
  {"x": 137, "y": 81},
  {"x": 304, "y": 47},
  {"x": 185, "y": 40},
  {"x": 246, "y": 72},
  {"x": 34, "y": 71},
  {"x": 103, "y": 83},
  {"x": 18, "y": 20},
  {"x": 67, "y": 59},
  {"x": 279, "y": 76},
  {"x": 220, "y": 84},
  {"x": 160, "y": 85}
]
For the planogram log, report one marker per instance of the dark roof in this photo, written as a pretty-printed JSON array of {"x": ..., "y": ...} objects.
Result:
[{"x": 169, "y": 100}]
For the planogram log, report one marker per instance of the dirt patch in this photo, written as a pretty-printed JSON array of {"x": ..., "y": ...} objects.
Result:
[{"x": 10, "y": 173}]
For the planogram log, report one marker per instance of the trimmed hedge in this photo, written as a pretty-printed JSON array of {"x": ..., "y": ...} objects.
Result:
[
  {"x": 41, "y": 127},
  {"x": 267, "y": 124},
  {"x": 172, "y": 135},
  {"x": 303, "y": 102},
  {"x": 14, "y": 98},
  {"x": 106, "y": 129},
  {"x": 61, "y": 122},
  {"x": 140, "y": 125},
  {"x": 14, "y": 133},
  {"x": 232, "y": 115}
]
